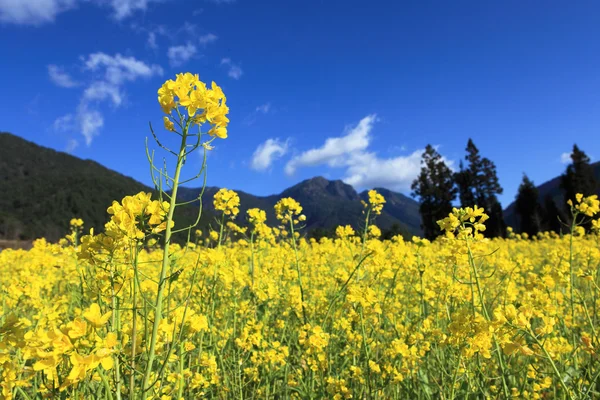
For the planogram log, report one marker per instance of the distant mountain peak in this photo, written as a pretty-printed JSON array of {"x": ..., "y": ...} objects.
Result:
[
  {"x": 320, "y": 187},
  {"x": 43, "y": 189}
]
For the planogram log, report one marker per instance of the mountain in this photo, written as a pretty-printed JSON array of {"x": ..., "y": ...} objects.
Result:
[
  {"x": 327, "y": 204},
  {"x": 552, "y": 188},
  {"x": 42, "y": 189}
]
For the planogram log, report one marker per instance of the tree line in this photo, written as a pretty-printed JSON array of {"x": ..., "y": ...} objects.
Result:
[{"x": 437, "y": 188}]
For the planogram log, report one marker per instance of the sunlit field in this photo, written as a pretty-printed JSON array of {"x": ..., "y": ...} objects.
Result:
[{"x": 251, "y": 311}]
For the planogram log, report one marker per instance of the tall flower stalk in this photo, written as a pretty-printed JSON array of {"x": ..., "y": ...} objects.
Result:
[{"x": 188, "y": 104}]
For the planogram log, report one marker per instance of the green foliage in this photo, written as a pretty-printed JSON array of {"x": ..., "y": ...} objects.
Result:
[
  {"x": 42, "y": 189},
  {"x": 579, "y": 176},
  {"x": 529, "y": 208},
  {"x": 478, "y": 184},
  {"x": 436, "y": 191},
  {"x": 552, "y": 197}
]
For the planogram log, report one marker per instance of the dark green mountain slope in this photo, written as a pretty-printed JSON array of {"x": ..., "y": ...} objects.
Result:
[
  {"x": 42, "y": 189},
  {"x": 328, "y": 204}
]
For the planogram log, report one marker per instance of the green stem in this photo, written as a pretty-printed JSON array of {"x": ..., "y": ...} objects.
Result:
[
  {"x": 556, "y": 372},
  {"x": 455, "y": 376},
  {"x": 487, "y": 317},
  {"x": 571, "y": 286},
  {"x": 133, "y": 330},
  {"x": 298, "y": 269},
  {"x": 181, "y": 380},
  {"x": 165, "y": 265},
  {"x": 106, "y": 385}
]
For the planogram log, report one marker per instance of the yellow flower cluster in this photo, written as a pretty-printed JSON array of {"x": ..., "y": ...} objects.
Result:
[
  {"x": 188, "y": 91},
  {"x": 465, "y": 221},
  {"x": 227, "y": 201},
  {"x": 344, "y": 231},
  {"x": 76, "y": 223},
  {"x": 256, "y": 216},
  {"x": 138, "y": 215},
  {"x": 589, "y": 205},
  {"x": 376, "y": 202},
  {"x": 287, "y": 209},
  {"x": 257, "y": 219}
]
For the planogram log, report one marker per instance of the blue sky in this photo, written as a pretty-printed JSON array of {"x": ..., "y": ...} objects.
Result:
[{"x": 348, "y": 90}]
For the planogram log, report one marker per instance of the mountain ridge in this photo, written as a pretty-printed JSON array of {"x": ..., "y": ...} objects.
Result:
[{"x": 41, "y": 189}]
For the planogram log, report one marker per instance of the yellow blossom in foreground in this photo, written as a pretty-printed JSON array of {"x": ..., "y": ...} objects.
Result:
[
  {"x": 272, "y": 313},
  {"x": 189, "y": 92},
  {"x": 94, "y": 316}
]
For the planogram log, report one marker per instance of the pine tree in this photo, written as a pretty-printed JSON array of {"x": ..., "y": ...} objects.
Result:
[
  {"x": 579, "y": 176},
  {"x": 552, "y": 216},
  {"x": 435, "y": 189},
  {"x": 528, "y": 208},
  {"x": 464, "y": 183},
  {"x": 478, "y": 185}
]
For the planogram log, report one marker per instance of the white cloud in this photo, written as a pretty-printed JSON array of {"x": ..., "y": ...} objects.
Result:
[
  {"x": 235, "y": 71},
  {"x": 32, "y": 12},
  {"x": 152, "y": 40},
  {"x": 38, "y": 12},
  {"x": 125, "y": 8},
  {"x": 113, "y": 72},
  {"x": 86, "y": 121},
  {"x": 336, "y": 151},
  {"x": 102, "y": 90},
  {"x": 207, "y": 39},
  {"x": 565, "y": 158},
  {"x": 72, "y": 144},
  {"x": 251, "y": 118},
  {"x": 90, "y": 122},
  {"x": 119, "y": 69},
  {"x": 264, "y": 108},
  {"x": 267, "y": 153},
  {"x": 363, "y": 168},
  {"x": 60, "y": 77},
  {"x": 64, "y": 123},
  {"x": 366, "y": 170},
  {"x": 178, "y": 55}
]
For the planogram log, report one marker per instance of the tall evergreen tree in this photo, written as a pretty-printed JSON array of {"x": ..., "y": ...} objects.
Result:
[
  {"x": 435, "y": 189},
  {"x": 528, "y": 208},
  {"x": 464, "y": 184},
  {"x": 478, "y": 185},
  {"x": 552, "y": 216},
  {"x": 579, "y": 176}
]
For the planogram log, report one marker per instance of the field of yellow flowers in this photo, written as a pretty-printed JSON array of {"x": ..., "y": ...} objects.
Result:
[
  {"x": 259, "y": 312},
  {"x": 272, "y": 315}
]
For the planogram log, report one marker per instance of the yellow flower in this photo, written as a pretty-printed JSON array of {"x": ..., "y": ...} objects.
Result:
[
  {"x": 344, "y": 231},
  {"x": 589, "y": 205},
  {"x": 374, "y": 231},
  {"x": 376, "y": 202},
  {"x": 76, "y": 222},
  {"x": 77, "y": 328},
  {"x": 227, "y": 201},
  {"x": 95, "y": 317},
  {"x": 190, "y": 92},
  {"x": 169, "y": 125},
  {"x": 286, "y": 209}
]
